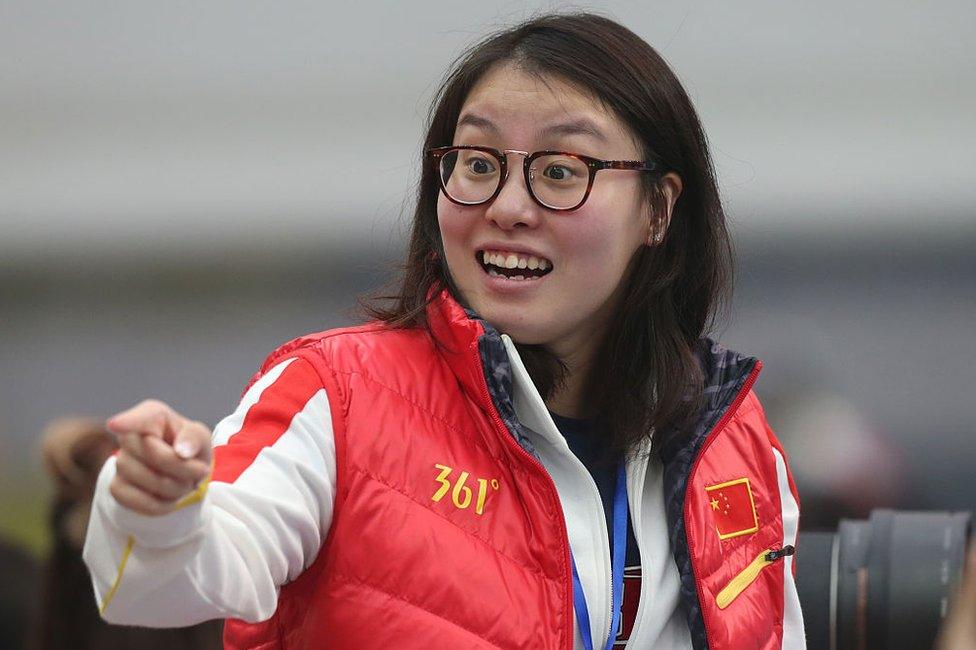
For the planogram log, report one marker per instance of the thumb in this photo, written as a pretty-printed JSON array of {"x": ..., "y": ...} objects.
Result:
[
  {"x": 192, "y": 441},
  {"x": 186, "y": 447}
]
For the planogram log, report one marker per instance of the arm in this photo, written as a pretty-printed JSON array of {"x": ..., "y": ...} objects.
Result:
[{"x": 225, "y": 549}]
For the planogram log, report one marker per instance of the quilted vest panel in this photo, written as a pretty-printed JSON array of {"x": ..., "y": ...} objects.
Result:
[
  {"x": 446, "y": 533},
  {"x": 733, "y": 518}
]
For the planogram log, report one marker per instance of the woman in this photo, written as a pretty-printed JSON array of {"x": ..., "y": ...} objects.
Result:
[{"x": 537, "y": 409}]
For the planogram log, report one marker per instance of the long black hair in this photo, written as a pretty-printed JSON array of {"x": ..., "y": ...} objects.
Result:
[{"x": 646, "y": 376}]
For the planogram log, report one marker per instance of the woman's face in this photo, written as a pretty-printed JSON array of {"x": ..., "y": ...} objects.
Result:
[{"x": 587, "y": 251}]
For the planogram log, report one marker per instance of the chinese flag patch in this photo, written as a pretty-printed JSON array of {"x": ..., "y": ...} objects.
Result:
[{"x": 733, "y": 508}]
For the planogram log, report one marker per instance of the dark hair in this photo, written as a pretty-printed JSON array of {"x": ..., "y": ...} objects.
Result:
[{"x": 646, "y": 376}]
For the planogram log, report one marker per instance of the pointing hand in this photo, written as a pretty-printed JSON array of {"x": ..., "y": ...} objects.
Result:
[{"x": 163, "y": 456}]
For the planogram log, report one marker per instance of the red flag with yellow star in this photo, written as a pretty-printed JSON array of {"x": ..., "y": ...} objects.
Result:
[{"x": 733, "y": 508}]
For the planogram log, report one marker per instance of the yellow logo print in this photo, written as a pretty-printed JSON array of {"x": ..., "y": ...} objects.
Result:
[{"x": 461, "y": 494}]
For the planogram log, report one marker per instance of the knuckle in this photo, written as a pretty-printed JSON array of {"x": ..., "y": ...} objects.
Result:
[
  {"x": 153, "y": 504},
  {"x": 161, "y": 463},
  {"x": 152, "y": 454},
  {"x": 155, "y": 483},
  {"x": 148, "y": 456},
  {"x": 159, "y": 505},
  {"x": 170, "y": 487},
  {"x": 117, "y": 492},
  {"x": 129, "y": 445},
  {"x": 133, "y": 449},
  {"x": 123, "y": 467}
]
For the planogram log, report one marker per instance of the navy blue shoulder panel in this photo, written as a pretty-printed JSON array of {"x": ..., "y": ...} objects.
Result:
[
  {"x": 498, "y": 376},
  {"x": 725, "y": 373}
]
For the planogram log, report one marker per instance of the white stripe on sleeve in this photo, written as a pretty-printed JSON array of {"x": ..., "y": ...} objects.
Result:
[
  {"x": 233, "y": 422},
  {"x": 793, "y": 634},
  {"x": 251, "y": 536}
]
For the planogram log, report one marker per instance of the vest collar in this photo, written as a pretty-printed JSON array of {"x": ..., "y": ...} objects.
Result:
[
  {"x": 477, "y": 355},
  {"x": 456, "y": 333},
  {"x": 477, "y": 352}
]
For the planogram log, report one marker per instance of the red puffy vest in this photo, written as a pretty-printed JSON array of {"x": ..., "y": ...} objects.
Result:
[{"x": 447, "y": 533}]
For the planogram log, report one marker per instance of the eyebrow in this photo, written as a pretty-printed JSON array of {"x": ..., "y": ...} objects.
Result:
[{"x": 578, "y": 126}]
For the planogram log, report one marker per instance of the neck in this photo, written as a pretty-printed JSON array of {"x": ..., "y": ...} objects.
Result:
[{"x": 569, "y": 399}]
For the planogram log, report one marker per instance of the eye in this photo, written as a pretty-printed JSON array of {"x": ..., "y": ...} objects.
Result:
[
  {"x": 480, "y": 166},
  {"x": 558, "y": 172}
]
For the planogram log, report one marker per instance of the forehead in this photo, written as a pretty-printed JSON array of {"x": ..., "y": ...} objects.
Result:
[{"x": 523, "y": 105}]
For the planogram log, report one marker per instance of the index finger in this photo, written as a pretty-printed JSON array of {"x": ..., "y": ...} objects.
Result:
[
  {"x": 162, "y": 459},
  {"x": 151, "y": 417}
]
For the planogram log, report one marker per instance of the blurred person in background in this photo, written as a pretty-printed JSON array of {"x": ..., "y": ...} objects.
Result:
[
  {"x": 537, "y": 409},
  {"x": 959, "y": 630},
  {"x": 18, "y": 594},
  {"x": 831, "y": 468},
  {"x": 74, "y": 450}
]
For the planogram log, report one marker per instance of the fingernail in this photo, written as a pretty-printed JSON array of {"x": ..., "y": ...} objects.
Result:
[{"x": 184, "y": 449}]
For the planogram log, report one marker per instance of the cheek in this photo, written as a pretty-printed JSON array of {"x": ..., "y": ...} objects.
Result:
[
  {"x": 451, "y": 227},
  {"x": 598, "y": 249},
  {"x": 456, "y": 229},
  {"x": 597, "y": 243}
]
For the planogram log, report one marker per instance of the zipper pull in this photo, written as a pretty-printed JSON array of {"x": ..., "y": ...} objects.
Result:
[{"x": 772, "y": 556}]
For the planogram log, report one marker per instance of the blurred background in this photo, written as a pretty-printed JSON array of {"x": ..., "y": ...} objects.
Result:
[{"x": 184, "y": 186}]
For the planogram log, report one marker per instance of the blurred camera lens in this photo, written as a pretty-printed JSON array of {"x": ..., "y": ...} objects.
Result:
[{"x": 884, "y": 582}]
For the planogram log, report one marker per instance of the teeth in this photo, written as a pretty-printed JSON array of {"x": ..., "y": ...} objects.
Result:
[{"x": 514, "y": 261}]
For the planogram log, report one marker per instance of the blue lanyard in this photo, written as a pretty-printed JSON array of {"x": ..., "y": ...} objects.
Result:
[{"x": 619, "y": 553}]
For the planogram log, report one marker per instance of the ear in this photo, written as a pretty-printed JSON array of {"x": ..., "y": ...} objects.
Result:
[{"x": 671, "y": 187}]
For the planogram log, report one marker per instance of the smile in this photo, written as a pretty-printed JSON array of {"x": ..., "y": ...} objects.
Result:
[{"x": 513, "y": 266}]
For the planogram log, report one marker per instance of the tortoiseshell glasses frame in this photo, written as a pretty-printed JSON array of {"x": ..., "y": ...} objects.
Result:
[{"x": 593, "y": 165}]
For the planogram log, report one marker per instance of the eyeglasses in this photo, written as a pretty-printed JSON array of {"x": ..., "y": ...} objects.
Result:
[{"x": 557, "y": 180}]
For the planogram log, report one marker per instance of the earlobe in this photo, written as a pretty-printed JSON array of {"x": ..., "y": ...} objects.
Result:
[
  {"x": 671, "y": 188},
  {"x": 655, "y": 232},
  {"x": 654, "y": 239}
]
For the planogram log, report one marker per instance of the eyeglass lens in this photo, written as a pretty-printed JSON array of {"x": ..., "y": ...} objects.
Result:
[{"x": 556, "y": 180}]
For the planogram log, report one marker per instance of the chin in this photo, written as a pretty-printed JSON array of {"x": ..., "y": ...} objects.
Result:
[
  {"x": 526, "y": 333},
  {"x": 523, "y": 323}
]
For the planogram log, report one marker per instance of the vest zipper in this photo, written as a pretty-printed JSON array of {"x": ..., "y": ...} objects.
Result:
[
  {"x": 610, "y": 590},
  {"x": 729, "y": 412},
  {"x": 748, "y": 575},
  {"x": 510, "y": 438}
]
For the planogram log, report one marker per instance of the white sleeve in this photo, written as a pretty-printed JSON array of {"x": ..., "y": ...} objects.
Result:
[{"x": 255, "y": 526}]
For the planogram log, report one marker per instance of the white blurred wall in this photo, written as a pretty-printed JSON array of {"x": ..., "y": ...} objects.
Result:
[
  {"x": 185, "y": 185},
  {"x": 163, "y": 128}
]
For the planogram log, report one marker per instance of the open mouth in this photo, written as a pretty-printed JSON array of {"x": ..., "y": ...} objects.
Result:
[{"x": 513, "y": 266}]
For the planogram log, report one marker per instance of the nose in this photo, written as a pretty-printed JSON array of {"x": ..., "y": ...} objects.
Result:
[{"x": 514, "y": 206}]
